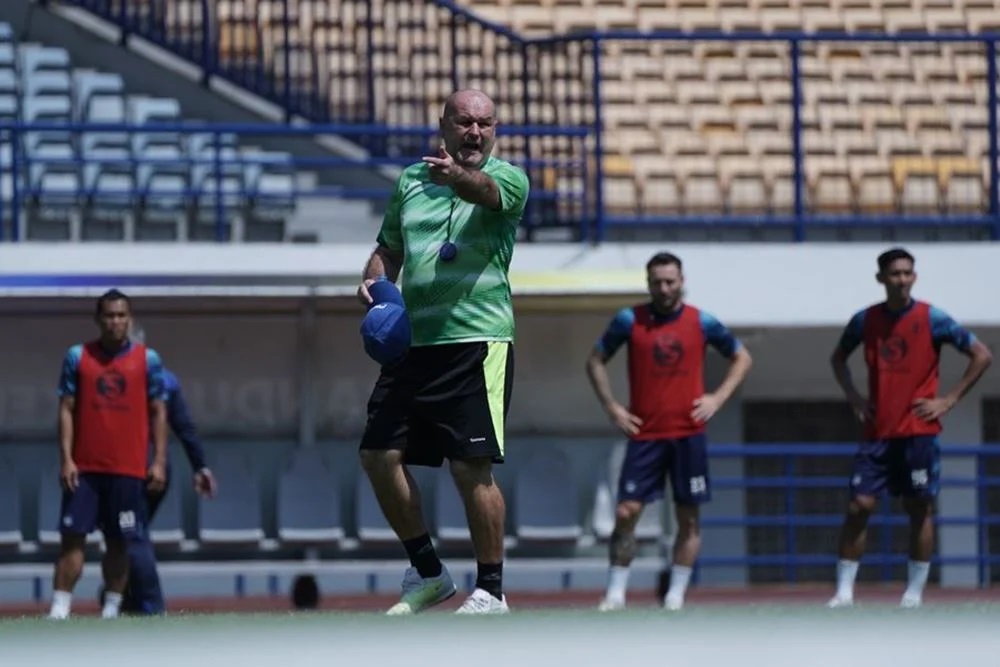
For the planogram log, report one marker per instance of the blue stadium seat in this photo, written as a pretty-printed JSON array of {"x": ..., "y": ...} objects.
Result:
[
  {"x": 269, "y": 183},
  {"x": 8, "y": 56},
  {"x": 53, "y": 185},
  {"x": 8, "y": 94},
  {"x": 233, "y": 516},
  {"x": 55, "y": 84},
  {"x": 92, "y": 89},
  {"x": 371, "y": 524},
  {"x": 10, "y": 505},
  {"x": 547, "y": 499},
  {"x": 34, "y": 58},
  {"x": 162, "y": 186},
  {"x": 212, "y": 183},
  {"x": 107, "y": 185},
  {"x": 309, "y": 500},
  {"x": 6, "y": 33},
  {"x": 449, "y": 511}
]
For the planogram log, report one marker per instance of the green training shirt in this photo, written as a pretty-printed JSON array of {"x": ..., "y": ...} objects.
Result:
[{"x": 467, "y": 299}]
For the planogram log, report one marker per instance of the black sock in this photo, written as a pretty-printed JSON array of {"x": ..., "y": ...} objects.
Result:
[
  {"x": 490, "y": 579},
  {"x": 422, "y": 556}
]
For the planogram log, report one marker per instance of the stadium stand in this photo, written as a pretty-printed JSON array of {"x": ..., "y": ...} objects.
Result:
[
  {"x": 110, "y": 185},
  {"x": 888, "y": 127}
]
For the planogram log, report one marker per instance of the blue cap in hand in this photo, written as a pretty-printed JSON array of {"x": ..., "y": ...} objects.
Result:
[{"x": 385, "y": 329}]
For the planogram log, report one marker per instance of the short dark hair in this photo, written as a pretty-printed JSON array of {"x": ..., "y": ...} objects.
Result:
[
  {"x": 664, "y": 259},
  {"x": 110, "y": 296},
  {"x": 891, "y": 255}
]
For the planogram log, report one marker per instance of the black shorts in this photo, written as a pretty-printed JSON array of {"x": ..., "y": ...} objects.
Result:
[{"x": 443, "y": 401}]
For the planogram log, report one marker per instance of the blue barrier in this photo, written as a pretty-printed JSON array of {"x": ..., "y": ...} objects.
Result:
[
  {"x": 212, "y": 185},
  {"x": 344, "y": 78},
  {"x": 791, "y": 521}
]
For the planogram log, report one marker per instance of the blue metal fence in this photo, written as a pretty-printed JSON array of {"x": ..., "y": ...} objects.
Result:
[
  {"x": 783, "y": 528},
  {"x": 390, "y": 63}
]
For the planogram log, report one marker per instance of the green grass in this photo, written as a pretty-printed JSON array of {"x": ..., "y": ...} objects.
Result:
[{"x": 939, "y": 635}]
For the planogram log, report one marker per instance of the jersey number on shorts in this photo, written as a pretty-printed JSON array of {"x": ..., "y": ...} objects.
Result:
[{"x": 698, "y": 486}]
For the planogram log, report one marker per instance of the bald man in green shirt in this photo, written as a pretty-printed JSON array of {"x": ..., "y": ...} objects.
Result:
[{"x": 448, "y": 236}]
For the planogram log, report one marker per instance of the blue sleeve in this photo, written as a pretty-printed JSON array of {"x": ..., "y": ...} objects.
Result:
[
  {"x": 946, "y": 330},
  {"x": 718, "y": 336},
  {"x": 154, "y": 376},
  {"x": 70, "y": 371},
  {"x": 853, "y": 333},
  {"x": 179, "y": 419},
  {"x": 617, "y": 333}
]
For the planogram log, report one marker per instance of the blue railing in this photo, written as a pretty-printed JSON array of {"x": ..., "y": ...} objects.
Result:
[
  {"x": 391, "y": 62},
  {"x": 791, "y": 486},
  {"x": 211, "y": 192}
]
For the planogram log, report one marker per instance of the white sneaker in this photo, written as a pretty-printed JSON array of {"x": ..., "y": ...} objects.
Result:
[
  {"x": 911, "y": 601},
  {"x": 611, "y": 604},
  {"x": 840, "y": 602},
  {"x": 481, "y": 602},
  {"x": 420, "y": 594},
  {"x": 673, "y": 603}
]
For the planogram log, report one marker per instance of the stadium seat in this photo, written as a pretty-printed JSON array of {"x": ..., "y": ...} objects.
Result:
[
  {"x": 212, "y": 182},
  {"x": 449, "y": 511},
  {"x": 233, "y": 517},
  {"x": 8, "y": 94},
  {"x": 167, "y": 529},
  {"x": 98, "y": 96},
  {"x": 36, "y": 58},
  {"x": 8, "y": 57},
  {"x": 547, "y": 498},
  {"x": 10, "y": 505},
  {"x": 371, "y": 524},
  {"x": 309, "y": 500},
  {"x": 270, "y": 194}
]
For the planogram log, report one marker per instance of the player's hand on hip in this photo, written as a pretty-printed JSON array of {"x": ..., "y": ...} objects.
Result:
[
  {"x": 627, "y": 422},
  {"x": 862, "y": 408},
  {"x": 204, "y": 483},
  {"x": 443, "y": 168},
  {"x": 363, "y": 296},
  {"x": 704, "y": 408},
  {"x": 69, "y": 476},
  {"x": 930, "y": 409},
  {"x": 156, "y": 477}
]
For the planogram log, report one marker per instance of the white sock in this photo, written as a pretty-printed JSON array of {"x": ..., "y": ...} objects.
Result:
[
  {"x": 112, "y": 604},
  {"x": 61, "y": 603},
  {"x": 680, "y": 576},
  {"x": 617, "y": 582},
  {"x": 917, "y": 578},
  {"x": 847, "y": 572}
]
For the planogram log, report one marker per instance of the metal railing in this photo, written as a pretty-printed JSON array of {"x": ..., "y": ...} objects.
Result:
[
  {"x": 807, "y": 480},
  {"x": 389, "y": 62}
]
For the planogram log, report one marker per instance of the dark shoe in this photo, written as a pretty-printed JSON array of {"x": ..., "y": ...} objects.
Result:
[{"x": 662, "y": 585}]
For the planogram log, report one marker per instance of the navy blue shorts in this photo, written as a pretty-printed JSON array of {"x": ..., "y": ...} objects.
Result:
[
  {"x": 116, "y": 504},
  {"x": 648, "y": 462},
  {"x": 907, "y": 467}
]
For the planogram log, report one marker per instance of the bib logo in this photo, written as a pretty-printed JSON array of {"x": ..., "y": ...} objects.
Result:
[
  {"x": 667, "y": 352},
  {"x": 111, "y": 385},
  {"x": 893, "y": 350}
]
